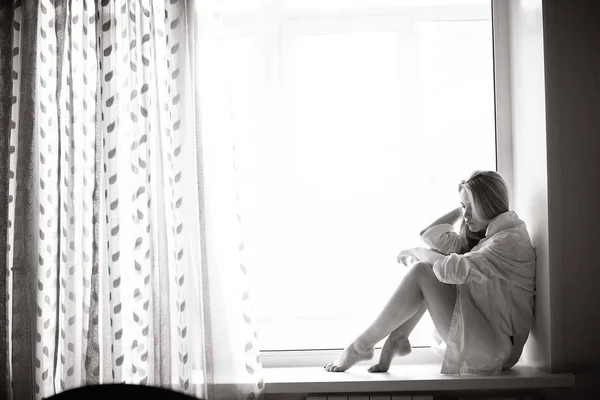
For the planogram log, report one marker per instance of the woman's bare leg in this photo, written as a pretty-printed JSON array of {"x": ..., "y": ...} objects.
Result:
[
  {"x": 397, "y": 344},
  {"x": 420, "y": 284}
]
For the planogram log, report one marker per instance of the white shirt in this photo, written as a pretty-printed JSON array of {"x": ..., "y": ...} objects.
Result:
[{"x": 493, "y": 313}]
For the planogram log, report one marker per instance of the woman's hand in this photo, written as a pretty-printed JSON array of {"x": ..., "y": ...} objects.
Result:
[
  {"x": 407, "y": 257},
  {"x": 412, "y": 255}
]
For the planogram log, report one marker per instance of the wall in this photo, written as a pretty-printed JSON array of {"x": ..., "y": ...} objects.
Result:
[
  {"x": 573, "y": 108},
  {"x": 572, "y": 75},
  {"x": 556, "y": 167},
  {"x": 530, "y": 180}
]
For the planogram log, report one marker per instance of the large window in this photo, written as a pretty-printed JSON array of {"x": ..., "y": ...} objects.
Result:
[{"x": 355, "y": 122}]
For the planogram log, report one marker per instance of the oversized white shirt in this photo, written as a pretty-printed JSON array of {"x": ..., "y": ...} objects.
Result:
[{"x": 493, "y": 313}]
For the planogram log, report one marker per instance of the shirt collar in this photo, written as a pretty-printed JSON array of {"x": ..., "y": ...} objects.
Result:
[{"x": 503, "y": 221}]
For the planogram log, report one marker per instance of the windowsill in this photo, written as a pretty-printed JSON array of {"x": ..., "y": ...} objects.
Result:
[
  {"x": 405, "y": 378},
  {"x": 303, "y": 373}
]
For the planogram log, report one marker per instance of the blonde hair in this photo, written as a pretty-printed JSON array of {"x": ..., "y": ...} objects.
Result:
[{"x": 490, "y": 198}]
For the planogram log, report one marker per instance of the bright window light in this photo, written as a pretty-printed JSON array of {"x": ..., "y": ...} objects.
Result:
[
  {"x": 362, "y": 4},
  {"x": 351, "y": 136}
]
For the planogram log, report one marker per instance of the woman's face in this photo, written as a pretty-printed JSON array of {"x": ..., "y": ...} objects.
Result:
[{"x": 474, "y": 224}]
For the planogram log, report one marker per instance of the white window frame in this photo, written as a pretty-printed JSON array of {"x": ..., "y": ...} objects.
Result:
[
  {"x": 297, "y": 22},
  {"x": 502, "y": 92}
]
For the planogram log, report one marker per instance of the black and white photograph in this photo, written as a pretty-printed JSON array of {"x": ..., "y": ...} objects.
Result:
[{"x": 299, "y": 199}]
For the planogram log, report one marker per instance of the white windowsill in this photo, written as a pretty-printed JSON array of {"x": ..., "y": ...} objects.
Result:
[
  {"x": 417, "y": 372},
  {"x": 302, "y": 372},
  {"x": 405, "y": 378}
]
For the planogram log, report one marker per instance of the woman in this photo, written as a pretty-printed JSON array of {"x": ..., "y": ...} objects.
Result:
[{"x": 478, "y": 285}]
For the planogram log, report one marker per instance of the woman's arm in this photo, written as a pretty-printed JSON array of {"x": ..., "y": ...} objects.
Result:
[
  {"x": 420, "y": 253},
  {"x": 449, "y": 218},
  {"x": 509, "y": 257}
]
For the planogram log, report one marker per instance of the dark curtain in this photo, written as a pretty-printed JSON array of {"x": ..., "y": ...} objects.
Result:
[{"x": 5, "y": 103}]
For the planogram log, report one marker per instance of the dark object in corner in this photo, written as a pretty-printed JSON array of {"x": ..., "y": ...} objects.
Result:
[{"x": 120, "y": 391}]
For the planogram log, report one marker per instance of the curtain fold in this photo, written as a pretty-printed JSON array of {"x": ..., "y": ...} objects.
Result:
[
  {"x": 22, "y": 262},
  {"x": 145, "y": 253},
  {"x": 6, "y": 54},
  {"x": 75, "y": 164},
  {"x": 109, "y": 274},
  {"x": 46, "y": 203}
]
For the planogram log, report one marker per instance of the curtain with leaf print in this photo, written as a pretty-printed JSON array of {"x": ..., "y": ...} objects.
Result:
[{"x": 108, "y": 275}]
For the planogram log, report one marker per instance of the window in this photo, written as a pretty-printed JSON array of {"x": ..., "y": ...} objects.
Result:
[{"x": 355, "y": 121}]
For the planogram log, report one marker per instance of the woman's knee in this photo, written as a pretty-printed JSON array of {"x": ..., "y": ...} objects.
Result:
[
  {"x": 422, "y": 268},
  {"x": 423, "y": 274},
  {"x": 422, "y": 265}
]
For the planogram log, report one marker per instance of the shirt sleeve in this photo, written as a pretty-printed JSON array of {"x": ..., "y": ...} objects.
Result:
[
  {"x": 459, "y": 269},
  {"x": 500, "y": 258},
  {"x": 442, "y": 238}
]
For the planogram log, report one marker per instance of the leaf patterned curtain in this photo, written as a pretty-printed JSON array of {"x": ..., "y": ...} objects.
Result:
[{"x": 102, "y": 225}]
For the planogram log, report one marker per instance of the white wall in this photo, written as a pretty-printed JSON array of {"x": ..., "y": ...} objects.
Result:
[{"x": 530, "y": 182}]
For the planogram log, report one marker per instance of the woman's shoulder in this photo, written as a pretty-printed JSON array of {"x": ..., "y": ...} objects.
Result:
[
  {"x": 507, "y": 225},
  {"x": 516, "y": 235},
  {"x": 513, "y": 240}
]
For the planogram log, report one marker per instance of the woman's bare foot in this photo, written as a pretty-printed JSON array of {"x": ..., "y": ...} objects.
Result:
[
  {"x": 350, "y": 356},
  {"x": 391, "y": 349}
]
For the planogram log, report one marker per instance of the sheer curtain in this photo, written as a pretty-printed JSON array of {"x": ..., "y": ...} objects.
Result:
[
  {"x": 233, "y": 362},
  {"x": 118, "y": 262}
]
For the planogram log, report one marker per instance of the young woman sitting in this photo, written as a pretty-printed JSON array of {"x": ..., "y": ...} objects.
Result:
[{"x": 477, "y": 284}]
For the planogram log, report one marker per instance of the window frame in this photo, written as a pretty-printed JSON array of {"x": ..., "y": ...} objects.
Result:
[{"x": 379, "y": 19}]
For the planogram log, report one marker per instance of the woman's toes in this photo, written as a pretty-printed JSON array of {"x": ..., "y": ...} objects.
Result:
[
  {"x": 349, "y": 357},
  {"x": 377, "y": 368}
]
